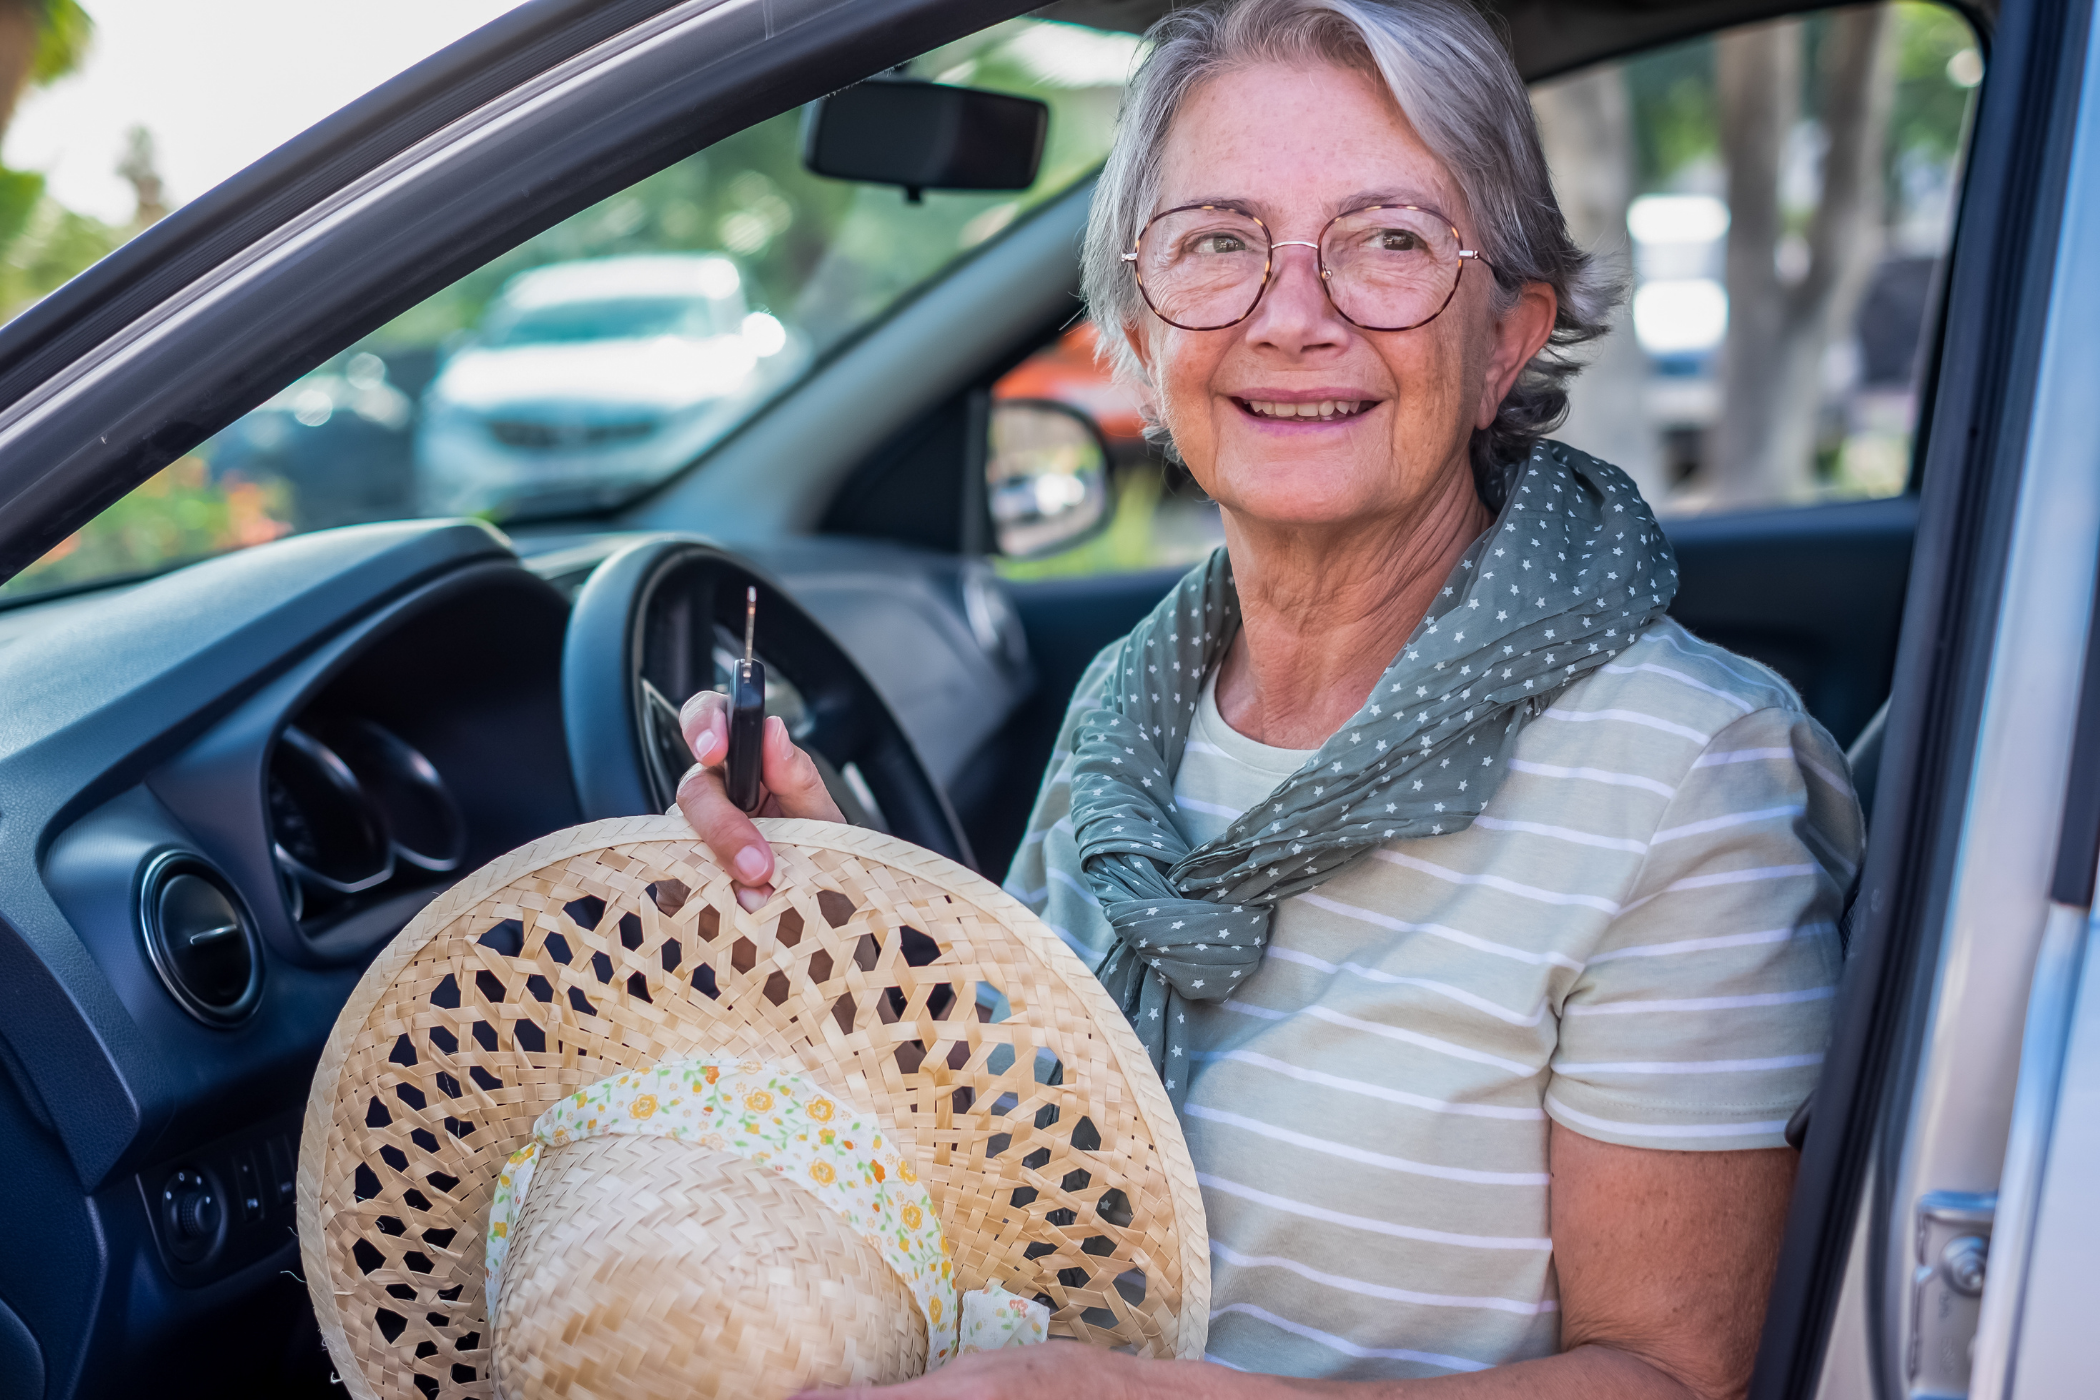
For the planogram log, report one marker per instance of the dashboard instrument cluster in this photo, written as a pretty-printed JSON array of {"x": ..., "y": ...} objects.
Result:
[{"x": 356, "y": 813}]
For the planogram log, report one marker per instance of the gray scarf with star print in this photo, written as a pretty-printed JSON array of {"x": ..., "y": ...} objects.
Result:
[{"x": 1571, "y": 572}]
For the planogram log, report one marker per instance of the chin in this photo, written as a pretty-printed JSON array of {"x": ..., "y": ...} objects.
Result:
[{"x": 1287, "y": 495}]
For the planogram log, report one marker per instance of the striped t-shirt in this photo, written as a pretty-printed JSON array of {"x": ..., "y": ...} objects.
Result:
[{"x": 1637, "y": 939}]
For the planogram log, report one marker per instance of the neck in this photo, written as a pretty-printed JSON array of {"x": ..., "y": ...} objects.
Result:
[{"x": 1324, "y": 611}]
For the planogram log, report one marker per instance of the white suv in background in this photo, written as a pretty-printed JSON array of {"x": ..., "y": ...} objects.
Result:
[{"x": 587, "y": 379}]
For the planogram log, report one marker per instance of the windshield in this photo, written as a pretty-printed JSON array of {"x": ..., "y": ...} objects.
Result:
[{"x": 588, "y": 365}]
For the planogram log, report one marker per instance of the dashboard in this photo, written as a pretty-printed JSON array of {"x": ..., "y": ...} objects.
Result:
[{"x": 221, "y": 792}]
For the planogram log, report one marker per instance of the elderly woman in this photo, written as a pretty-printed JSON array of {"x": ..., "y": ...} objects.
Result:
[{"x": 1480, "y": 920}]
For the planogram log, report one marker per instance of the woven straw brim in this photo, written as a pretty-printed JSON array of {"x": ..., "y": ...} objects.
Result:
[{"x": 620, "y": 944}]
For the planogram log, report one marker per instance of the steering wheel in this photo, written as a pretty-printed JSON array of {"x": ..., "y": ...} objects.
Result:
[{"x": 662, "y": 619}]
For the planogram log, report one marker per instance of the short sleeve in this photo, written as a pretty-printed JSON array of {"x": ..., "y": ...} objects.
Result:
[
  {"x": 1700, "y": 1019},
  {"x": 1045, "y": 870}
]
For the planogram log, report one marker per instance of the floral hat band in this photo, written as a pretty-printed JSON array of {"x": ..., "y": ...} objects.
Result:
[{"x": 787, "y": 1124}]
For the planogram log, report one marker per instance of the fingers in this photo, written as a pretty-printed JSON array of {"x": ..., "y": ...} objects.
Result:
[
  {"x": 789, "y": 774},
  {"x": 791, "y": 786},
  {"x": 727, "y": 832},
  {"x": 704, "y": 720},
  {"x": 704, "y": 800}
]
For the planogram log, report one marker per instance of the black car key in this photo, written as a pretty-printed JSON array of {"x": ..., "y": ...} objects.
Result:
[{"x": 747, "y": 716}]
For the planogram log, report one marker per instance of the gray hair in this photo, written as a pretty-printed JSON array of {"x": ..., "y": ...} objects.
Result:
[{"x": 1460, "y": 91}]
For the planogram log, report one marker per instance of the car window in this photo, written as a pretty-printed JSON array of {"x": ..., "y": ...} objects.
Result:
[
  {"x": 1813, "y": 396},
  {"x": 607, "y": 354},
  {"x": 1780, "y": 198}
]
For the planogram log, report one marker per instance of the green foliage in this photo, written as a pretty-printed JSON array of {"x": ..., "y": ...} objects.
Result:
[
  {"x": 1676, "y": 121},
  {"x": 1930, "y": 108},
  {"x": 1676, "y": 118},
  {"x": 19, "y": 192},
  {"x": 178, "y": 515},
  {"x": 62, "y": 41},
  {"x": 49, "y": 243}
]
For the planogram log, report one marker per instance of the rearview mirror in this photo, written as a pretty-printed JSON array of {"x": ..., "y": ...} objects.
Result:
[
  {"x": 1046, "y": 476},
  {"x": 925, "y": 136}
]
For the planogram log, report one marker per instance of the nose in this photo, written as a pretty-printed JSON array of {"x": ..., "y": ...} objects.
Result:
[{"x": 1296, "y": 314}]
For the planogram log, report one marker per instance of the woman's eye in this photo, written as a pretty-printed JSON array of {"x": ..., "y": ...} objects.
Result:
[
  {"x": 1210, "y": 243},
  {"x": 1398, "y": 240}
]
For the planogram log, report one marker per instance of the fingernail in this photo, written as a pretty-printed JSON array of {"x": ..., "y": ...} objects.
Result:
[
  {"x": 750, "y": 898},
  {"x": 751, "y": 863}
]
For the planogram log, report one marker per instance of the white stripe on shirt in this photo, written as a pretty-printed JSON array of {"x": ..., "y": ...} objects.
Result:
[
  {"x": 1682, "y": 679},
  {"x": 1628, "y": 717},
  {"x": 1702, "y": 945},
  {"x": 1715, "y": 760},
  {"x": 1595, "y": 775},
  {"x": 1364, "y": 1222},
  {"x": 1372, "y": 974},
  {"x": 1676, "y": 1131},
  {"x": 1372, "y": 916},
  {"x": 1349, "y": 1348},
  {"x": 1363, "y": 1156},
  {"x": 1634, "y": 1008},
  {"x": 1693, "y": 1066},
  {"x": 1407, "y": 1037},
  {"x": 1370, "y": 1091},
  {"x": 1564, "y": 833},
  {"x": 1495, "y": 882},
  {"x": 1700, "y": 828},
  {"x": 1390, "y": 1294}
]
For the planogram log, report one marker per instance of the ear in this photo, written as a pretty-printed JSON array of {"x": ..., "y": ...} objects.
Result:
[
  {"x": 1517, "y": 335},
  {"x": 1133, "y": 333}
]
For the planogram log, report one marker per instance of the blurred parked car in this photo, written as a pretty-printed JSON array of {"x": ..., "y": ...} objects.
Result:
[
  {"x": 337, "y": 439},
  {"x": 1070, "y": 371},
  {"x": 588, "y": 379}
]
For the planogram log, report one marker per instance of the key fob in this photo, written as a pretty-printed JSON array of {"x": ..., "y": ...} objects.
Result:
[{"x": 747, "y": 733}]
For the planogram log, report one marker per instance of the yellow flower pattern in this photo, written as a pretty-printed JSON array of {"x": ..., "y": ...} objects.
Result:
[{"x": 730, "y": 1106}]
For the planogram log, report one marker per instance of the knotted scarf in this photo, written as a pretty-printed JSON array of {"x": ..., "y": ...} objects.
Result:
[{"x": 1573, "y": 569}]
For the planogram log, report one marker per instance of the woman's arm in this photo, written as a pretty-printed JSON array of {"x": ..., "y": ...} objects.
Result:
[{"x": 1664, "y": 1258}]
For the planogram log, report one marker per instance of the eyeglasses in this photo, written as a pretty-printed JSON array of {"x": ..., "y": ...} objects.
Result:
[{"x": 1388, "y": 267}]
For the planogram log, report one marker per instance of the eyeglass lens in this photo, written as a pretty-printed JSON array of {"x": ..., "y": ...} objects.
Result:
[{"x": 1388, "y": 268}]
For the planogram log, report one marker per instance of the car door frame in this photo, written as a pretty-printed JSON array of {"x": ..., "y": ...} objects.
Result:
[{"x": 1905, "y": 979}]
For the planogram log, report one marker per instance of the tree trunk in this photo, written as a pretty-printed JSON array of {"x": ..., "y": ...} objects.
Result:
[
  {"x": 21, "y": 25},
  {"x": 1586, "y": 126},
  {"x": 1763, "y": 447}
]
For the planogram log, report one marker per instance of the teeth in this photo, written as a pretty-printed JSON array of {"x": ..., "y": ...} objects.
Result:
[{"x": 1324, "y": 408}]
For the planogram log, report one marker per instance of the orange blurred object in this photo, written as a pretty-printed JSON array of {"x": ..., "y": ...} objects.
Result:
[{"x": 1068, "y": 372}]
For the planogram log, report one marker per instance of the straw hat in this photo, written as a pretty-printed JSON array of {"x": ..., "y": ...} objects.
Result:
[{"x": 519, "y": 1094}]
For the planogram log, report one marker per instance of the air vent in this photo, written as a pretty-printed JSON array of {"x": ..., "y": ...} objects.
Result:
[{"x": 200, "y": 939}]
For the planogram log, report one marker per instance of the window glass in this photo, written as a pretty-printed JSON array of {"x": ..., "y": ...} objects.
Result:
[
  {"x": 607, "y": 354},
  {"x": 1780, "y": 199}
]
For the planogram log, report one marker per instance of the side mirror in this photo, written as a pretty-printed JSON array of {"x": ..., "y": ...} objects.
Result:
[
  {"x": 1046, "y": 476},
  {"x": 925, "y": 136}
]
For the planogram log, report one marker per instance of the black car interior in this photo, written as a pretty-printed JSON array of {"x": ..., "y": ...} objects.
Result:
[{"x": 222, "y": 790}]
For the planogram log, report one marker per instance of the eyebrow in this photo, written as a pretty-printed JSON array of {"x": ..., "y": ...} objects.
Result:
[{"x": 1363, "y": 199}]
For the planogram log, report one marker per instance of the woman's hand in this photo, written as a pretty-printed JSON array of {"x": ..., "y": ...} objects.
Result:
[{"x": 789, "y": 786}]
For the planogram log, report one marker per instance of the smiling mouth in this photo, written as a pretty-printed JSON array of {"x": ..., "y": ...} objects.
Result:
[{"x": 1315, "y": 410}]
